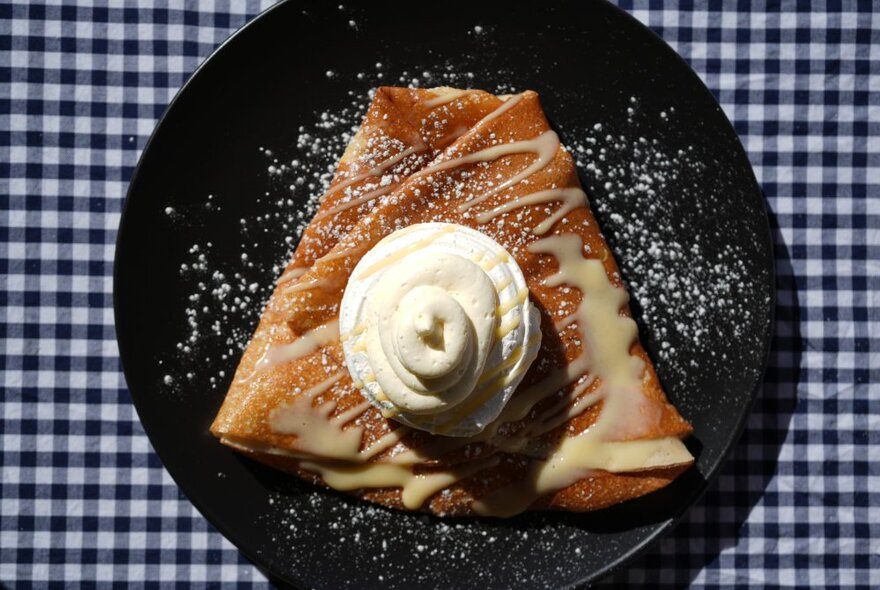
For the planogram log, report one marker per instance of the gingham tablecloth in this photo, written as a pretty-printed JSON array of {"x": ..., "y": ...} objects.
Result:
[{"x": 84, "y": 497}]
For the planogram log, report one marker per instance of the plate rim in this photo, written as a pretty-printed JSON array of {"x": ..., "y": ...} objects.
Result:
[{"x": 633, "y": 552}]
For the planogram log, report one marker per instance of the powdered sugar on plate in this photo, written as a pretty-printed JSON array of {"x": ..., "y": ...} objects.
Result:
[
  {"x": 684, "y": 281},
  {"x": 356, "y": 531}
]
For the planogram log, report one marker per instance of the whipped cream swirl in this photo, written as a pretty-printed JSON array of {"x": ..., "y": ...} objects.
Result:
[{"x": 437, "y": 328}]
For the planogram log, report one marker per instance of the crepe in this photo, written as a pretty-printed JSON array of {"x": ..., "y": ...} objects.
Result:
[{"x": 588, "y": 427}]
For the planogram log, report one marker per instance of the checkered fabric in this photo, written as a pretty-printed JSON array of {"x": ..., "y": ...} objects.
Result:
[{"x": 85, "y": 499}]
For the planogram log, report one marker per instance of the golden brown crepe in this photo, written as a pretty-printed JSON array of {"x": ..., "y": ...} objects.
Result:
[{"x": 492, "y": 164}]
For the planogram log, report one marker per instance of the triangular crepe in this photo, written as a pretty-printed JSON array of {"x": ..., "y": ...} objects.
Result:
[{"x": 588, "y": 427}]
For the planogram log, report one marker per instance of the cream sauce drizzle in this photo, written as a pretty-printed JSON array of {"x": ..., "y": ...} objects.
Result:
[
  {"x": 415, "y": 489},
  {"x": 367, "y": 196},
  {"x": 543, "y": 146},
  {"x": 575, "y": 456},
  {"x": 509, "y": 103},
  {"x": 293, "y": 273},
  {"x": 305, "y": 285},
  {"x": 320, "y": 434},
  {"x": 340, "y": 253},
  {"x": 381, "y": 168},
  {"x": 377, "y": 170},
  {"x": 520, "y": 298},
  {"x": 494, "y": 261},
  {"x": 316, "y": 433},
  {"x": 588, "y": 451},
  {"x": 446, "y": 98},
  {"x": 304, "y": 345},
  {"x": 608, "y": 336},
  {"x": 403, "y": 252},
  {"x": 571, "y": 199},
  {"x": 351, "y": 414}
]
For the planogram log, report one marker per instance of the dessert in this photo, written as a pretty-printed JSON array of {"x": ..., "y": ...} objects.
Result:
[
  {"x": 436, "y": 314},
  {"x": 452, "y": 334}
]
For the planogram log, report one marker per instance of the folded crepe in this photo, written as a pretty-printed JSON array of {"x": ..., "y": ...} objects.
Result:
[{"x": 589, "y": 425}]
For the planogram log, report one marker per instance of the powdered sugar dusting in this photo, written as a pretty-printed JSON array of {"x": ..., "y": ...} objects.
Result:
[
  {"x": 414, "y": 550},
  {"x": 684, "y": 281}
]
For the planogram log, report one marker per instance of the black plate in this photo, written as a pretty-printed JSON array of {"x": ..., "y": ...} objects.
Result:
[{"x": 592, "y": 64}]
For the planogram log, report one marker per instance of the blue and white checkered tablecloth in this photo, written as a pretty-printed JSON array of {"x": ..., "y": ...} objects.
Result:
[{"x": 83, "y": 498}]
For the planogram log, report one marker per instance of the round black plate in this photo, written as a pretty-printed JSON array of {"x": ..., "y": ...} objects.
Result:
[{"x": 611, "y": 87}]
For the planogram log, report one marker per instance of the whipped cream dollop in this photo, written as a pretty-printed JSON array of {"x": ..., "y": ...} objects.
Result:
[{"x": 437, "y": 328}]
